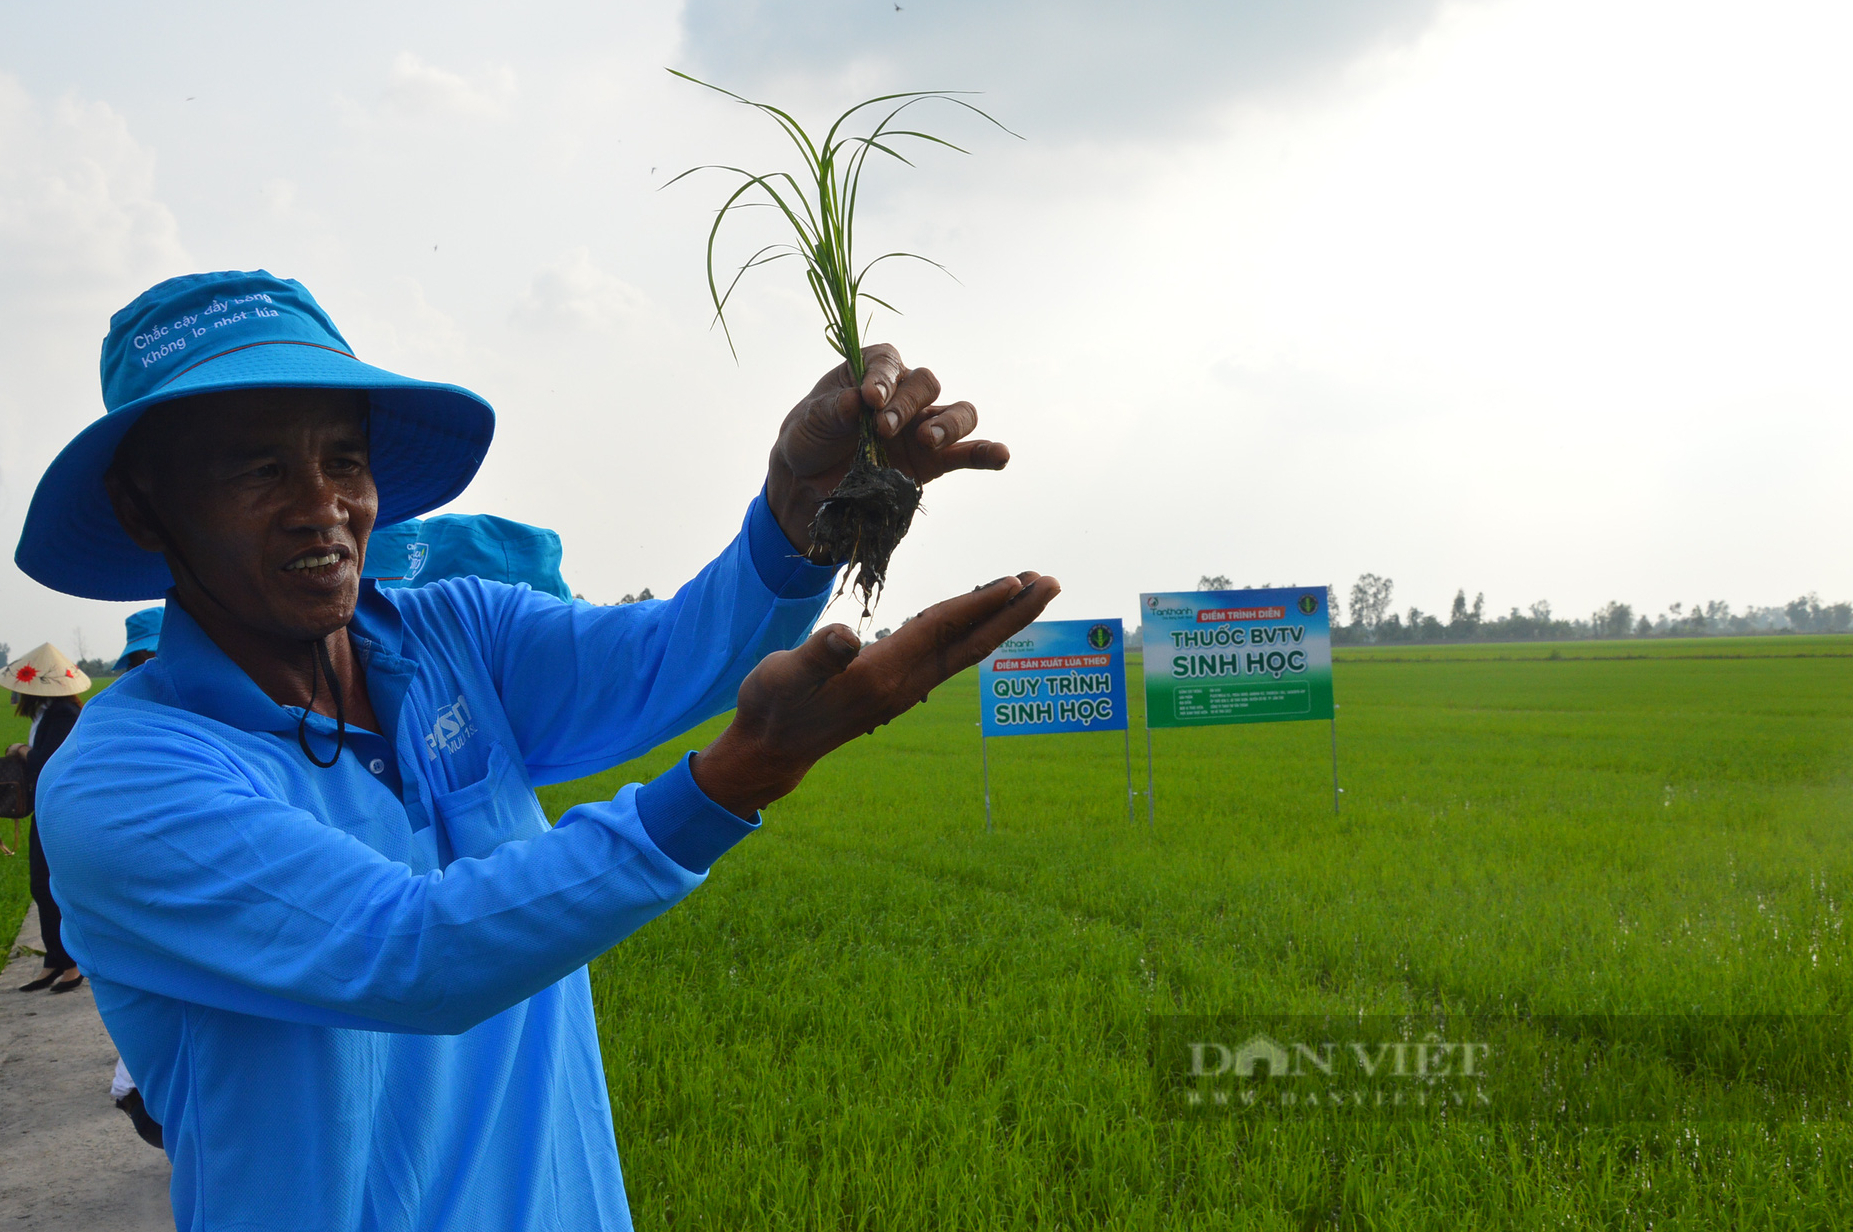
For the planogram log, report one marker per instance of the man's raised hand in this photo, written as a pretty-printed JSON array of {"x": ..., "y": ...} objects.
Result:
[
  {"x": 817, "y": 442},
  {"x": 798, "y": 705}
]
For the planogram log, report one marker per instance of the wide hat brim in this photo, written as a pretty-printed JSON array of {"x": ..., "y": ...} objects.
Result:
[{"x": 426, "y": 442}]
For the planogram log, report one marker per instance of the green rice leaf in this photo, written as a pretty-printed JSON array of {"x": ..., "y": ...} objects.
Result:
[{"x": 820, "y": 206}]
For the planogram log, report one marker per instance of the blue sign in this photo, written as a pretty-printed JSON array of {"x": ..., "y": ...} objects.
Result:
[{"x": 1056, "y": 676}]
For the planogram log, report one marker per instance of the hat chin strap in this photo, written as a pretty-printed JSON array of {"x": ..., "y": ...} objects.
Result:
[{"x": 321, "y": 665}]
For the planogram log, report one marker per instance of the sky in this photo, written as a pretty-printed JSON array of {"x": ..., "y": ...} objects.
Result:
[{"x": 1544, "y": 299}]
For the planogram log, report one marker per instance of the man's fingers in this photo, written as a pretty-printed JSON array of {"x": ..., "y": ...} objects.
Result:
[
  {"x": 949, "y": 620},
  {"x": 918, "y": 388},
  {"x": 818, "y": 428},
  {"x": 794, "y": 675},
  {"x": 942, "y": 425},
  {"x": 973, "y": 456},
  {"x": 843, "y": 412},
  {"x": 829, "y": 651},
  {"x": 979, "y": 638},
  {"x": 1037, "y": 592},
  {"x": 955, "y": 633},
  {"x": 882, "y": 372}
]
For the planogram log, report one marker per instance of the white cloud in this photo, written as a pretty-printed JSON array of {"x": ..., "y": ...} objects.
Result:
[
  {"x": 417, "y": 88},
  {"x": 1065, "y": 69},
  {"x": 78, "y": 214},
  {"x": 82, "y": 232},
  {"x": 401, "y": 329},
  {"x": 574, "y": 294}
]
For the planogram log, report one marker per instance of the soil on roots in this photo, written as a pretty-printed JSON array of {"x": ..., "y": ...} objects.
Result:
[{"x": 863, "y": 521}]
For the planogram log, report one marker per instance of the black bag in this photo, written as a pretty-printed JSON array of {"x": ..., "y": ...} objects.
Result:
[{"x": 15, "y": 795}]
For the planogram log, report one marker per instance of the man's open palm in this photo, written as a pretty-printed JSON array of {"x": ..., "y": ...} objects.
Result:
[{"x": 798, "y": 705}]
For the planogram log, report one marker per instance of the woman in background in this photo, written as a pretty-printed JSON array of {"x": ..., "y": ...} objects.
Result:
[
  {"x": 46, "y": 686},
  {"x": 144, "y": 640}
]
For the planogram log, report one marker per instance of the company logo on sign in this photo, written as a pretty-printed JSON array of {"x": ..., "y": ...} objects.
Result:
[
  {"x": 1309, "y": 604},
  {"x": 451, "y": 729},
  {"x": 1100, "y": 637}
]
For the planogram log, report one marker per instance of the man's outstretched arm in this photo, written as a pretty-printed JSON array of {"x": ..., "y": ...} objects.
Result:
[
  {"x": 586, "y": 687},
  {"x": 185, "y": 879}
]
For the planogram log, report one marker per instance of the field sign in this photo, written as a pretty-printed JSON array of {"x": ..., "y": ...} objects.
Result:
[
  {"x": 1056, "y": 676},
  {"x": 1237, "y": 656}
]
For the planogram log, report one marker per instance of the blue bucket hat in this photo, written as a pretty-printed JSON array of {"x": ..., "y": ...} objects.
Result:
[
  {"x": 144, "y": 634},
  {"x": 203, "y": 333},
  {"x": 466, "y": 545}
]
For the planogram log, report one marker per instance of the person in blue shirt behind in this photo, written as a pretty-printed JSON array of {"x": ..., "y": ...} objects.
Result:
[
  {"x": 143, "y": 631},
  {"x": 299, "y": 852},
  {"x": 144, "y": 637},
  {"x": 420, "y": 551}
]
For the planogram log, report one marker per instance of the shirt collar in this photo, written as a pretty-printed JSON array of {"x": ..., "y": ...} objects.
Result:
[{"x": 208, "y": 683}]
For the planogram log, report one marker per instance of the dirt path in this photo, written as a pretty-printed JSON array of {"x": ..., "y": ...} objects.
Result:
[{"x": 69, "y": 1159}]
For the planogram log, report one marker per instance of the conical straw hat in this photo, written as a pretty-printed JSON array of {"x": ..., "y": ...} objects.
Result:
[{"x": 44, "y": 672}]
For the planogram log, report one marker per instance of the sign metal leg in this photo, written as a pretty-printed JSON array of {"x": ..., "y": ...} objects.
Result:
[
  {"x": 984, "y": 753},
  {"x": 1335, "y": 788},
  {"x": 1127, "y": 731},
  {"x": 1151, "y": 807}
]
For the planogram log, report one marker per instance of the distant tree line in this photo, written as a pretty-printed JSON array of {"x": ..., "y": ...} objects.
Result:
[
  {"x": 639, "y": 597},
  {"x": 1374, "y": 622}
]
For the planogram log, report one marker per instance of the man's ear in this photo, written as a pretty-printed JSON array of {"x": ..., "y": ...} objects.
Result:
[{"x": 129, "y": 511}]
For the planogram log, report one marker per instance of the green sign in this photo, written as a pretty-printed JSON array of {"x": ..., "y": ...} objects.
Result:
[{"x": 1237, "y": 656}]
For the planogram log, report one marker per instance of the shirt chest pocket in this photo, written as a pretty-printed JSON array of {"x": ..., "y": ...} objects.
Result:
[{"x": 498, "y": 808}]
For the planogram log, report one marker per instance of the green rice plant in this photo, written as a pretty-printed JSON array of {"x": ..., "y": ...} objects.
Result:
[
  {"x": 877, "y": 1014},
  {"x": 863, "y": 520}
]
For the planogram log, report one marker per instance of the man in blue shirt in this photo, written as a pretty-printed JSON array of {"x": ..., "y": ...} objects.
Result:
[{"x": 299, "y": 852}]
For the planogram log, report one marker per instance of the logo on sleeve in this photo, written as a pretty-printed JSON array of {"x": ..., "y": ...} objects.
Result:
[{"x": 451, "y": 729}]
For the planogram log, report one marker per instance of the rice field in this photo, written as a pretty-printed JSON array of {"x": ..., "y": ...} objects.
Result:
[{"x": 878, "y": 1015}]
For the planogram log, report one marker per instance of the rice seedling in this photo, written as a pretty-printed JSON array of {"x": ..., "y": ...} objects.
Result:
[{"x": 868, "y": 513}]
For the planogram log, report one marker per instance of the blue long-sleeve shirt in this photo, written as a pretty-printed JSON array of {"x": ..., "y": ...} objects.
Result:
[{"x": 356, "y": 998}]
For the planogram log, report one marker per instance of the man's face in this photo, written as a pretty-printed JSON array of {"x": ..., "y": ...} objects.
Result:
[{"x": 268, "y": 496}]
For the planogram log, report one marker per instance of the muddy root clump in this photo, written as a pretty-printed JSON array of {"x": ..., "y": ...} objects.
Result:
[{"x": 862, "y": 522}]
